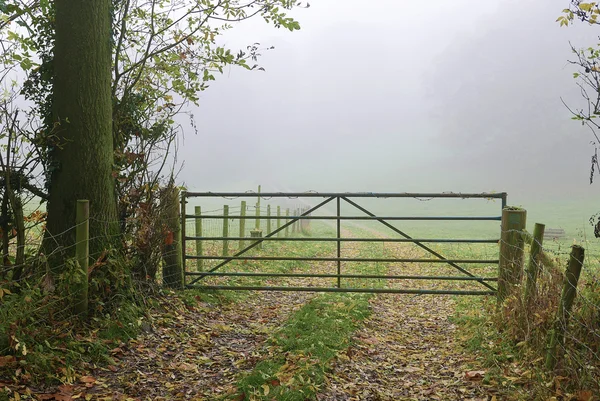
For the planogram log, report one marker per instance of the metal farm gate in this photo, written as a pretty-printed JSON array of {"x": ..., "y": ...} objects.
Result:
[{"x": 194, "y": 279}]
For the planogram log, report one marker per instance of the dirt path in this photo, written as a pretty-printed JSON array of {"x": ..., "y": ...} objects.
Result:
[
  {"x": 407, "y": 350},
  {"x": 408, "y": 347},
  {"x": 198, "y": 352}
]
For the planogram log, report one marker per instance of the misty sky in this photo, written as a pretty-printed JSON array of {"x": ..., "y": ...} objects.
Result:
[{"x": 399, "y": 96}]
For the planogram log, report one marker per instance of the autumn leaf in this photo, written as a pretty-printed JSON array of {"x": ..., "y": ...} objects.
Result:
[
  {"x": 474, "y": 375},
  {"x": 584, "y": 395},
  {"x": 7, "y": 360},
  {"x": 266, "y": 389}
]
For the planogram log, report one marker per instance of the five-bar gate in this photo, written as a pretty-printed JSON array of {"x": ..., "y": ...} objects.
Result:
[{"x": 194, "y": 279}]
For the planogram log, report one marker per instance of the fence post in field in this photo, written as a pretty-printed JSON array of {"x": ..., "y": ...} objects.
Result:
[
  {"x": 199, "y": 250},
  {"x": 82, "y": 252},
  {"x": 533, "y": 266},
  {"x": 242, "y": 224},
  {"x": 510, "y": 267},
  {"x": 557, "y": 334},
  {"x": 294, "y": 223},
  {"x": 287, "y": 229},
  {"x": 225, "y": 230},
  {"x": 257, "y": 220},
  {"x": 268, "y": 219},
  {"x": 172, "y": 249},
  {"x": 279, "y": 220}
]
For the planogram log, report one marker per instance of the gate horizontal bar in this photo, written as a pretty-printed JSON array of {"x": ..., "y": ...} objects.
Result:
[
  {"x": 411, "y": 218},
  {"x": 331, "y": 275},
  {"x": 335, "y": 289},
  {"x": 498, "y": 195},
  {"x": 344, "y": 239},
  {"x": 333, "y": 259}
]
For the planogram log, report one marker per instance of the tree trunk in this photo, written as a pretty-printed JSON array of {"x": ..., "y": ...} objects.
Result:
[{"x": 82, "y": 113}]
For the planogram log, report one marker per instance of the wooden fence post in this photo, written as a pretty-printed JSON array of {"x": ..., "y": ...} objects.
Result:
[
  {"x": 242, "y": 224},
  {"x": 172, "y": 250},
  {"x": 268, "y": 219},
  {"x": 557, "y": 334},
  {"x": 510, "y": 267},
  {"x": 82, "y": 252},
  {"x": 287, "y": 219},
  {"x": 257, "y": 212},
  {"x": 279, "y": 220},
  {"x": 534, "y": 263},
  {"x": 199, "y": 250},
  {"x": 225, "y": 230}
]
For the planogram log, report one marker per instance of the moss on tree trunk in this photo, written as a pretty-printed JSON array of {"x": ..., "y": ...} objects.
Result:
[{"x": 82, "y": 111}]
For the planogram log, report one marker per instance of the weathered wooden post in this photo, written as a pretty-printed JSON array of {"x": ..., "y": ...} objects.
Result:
[
  {"x": 279, "y": 220},
  {"x": 225, "y": 230},
  {"x": 287, "y": 219},
  {"x": 268, "y": 219},
  {"x": 257, "y": 212},
  {"x": 294, "y": 226},
  {"x": 172, "y": 249},
  {"x": 199, "y": 251},
  {"x": 557, "y": 334},
  {"x": 533, "y": 266},
  {"x": 257, "y": 232},
  {"x": 242, "y": 224},
  {"x": 511, "y": 250},
  {"x": 82, "y": 255}
]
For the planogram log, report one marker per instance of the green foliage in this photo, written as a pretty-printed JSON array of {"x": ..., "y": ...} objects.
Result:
[{"x": 48, "y": 343}]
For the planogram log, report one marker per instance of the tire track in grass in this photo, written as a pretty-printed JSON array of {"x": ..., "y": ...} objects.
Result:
[
  {"x": 297, "y": 356},
  {"x": 407, "y": 349}
]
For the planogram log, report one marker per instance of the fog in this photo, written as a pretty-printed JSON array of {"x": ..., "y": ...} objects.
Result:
[{"x": 399, "y": 96}]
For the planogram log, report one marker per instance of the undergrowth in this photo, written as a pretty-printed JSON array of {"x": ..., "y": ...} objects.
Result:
[
  {"x": 512, "y": 340},
  {"x": 43, "y": 343}
]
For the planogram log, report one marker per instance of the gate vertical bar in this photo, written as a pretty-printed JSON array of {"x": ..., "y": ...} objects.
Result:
[
  {"x": 339, "y": 243},
  {"x": 199, "y": 250},
  {"x": 287, "y": 218},
  {"x": 225, "y": 230},
  {"x": 278, "y": 220},
  {"x": 242, "y": 224},
  {"x": 268, "y": 219}
]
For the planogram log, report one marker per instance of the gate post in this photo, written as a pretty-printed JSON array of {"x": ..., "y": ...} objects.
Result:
[
  {"x": 510, "y": 267},
  {"x": 173, "y": 248}
]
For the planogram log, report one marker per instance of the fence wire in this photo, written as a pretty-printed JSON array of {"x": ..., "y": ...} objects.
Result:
[{"x": 537, "y": 312}]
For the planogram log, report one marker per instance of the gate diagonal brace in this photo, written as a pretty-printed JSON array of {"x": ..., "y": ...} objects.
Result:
[
  {"x": 257, "y": 242},
  {"x": 391, "y": 227}
]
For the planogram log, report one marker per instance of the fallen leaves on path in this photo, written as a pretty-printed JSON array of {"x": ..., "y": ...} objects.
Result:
[
  {"x": 406, "y": 351},
  {"x": 408, "y": 347}
]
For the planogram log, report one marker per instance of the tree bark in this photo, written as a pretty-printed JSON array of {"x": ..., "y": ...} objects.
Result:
[{"x": 82, "y": 114}]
